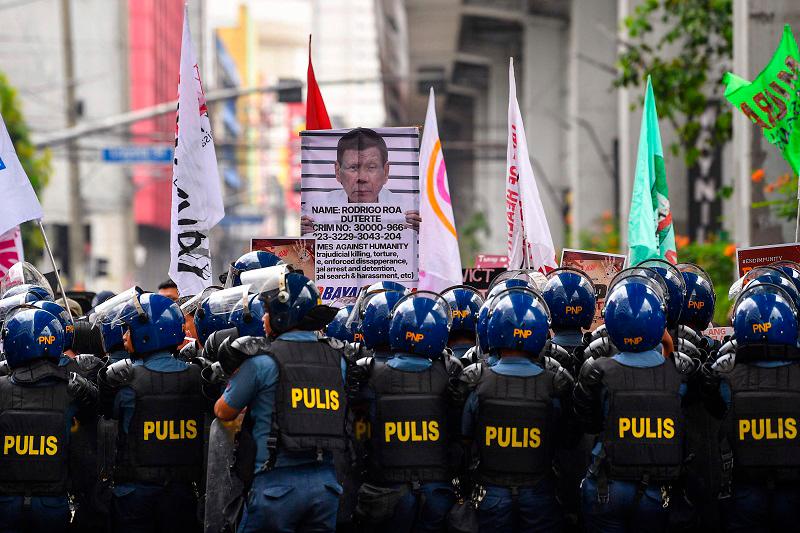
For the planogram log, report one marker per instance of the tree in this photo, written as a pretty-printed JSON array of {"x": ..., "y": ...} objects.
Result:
[
  {"x": 686, "y": 56},
  {"x": 36, "y": 164}
]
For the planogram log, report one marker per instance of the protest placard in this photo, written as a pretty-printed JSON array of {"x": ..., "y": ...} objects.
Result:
[
  {"x": 360, "y": 200},
  {"x": 756, "y": 256},
  {"x": 294, "y": 251},
  {"x": 601, "y": 268}
]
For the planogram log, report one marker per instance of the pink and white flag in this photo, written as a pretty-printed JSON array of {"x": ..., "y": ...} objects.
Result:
[
  {"x": 439, "y": 258},
  {"x": 529, "y": 242},
  {"x": 196, "y": 194},
  {"x": 11, "y": 251}
]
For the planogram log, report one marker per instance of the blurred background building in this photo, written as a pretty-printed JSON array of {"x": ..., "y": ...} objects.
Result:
[{"x": 375, "y": 61}]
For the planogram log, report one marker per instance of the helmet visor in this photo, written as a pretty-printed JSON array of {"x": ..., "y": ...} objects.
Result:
[
  {"x": 534, "y": 278},
  {"x": 191, "y": 305},
  {"x": 24, "y": 273},
  {"x": 522, "y": 290},
  {"x": 757, "y": 287},
  {"x": 653, "y": 283},
  {"x": 265, "y": 279},
  {"x": 430, "y": 295},
  {"x": 657, "y": 281},
  {"x": 116, "y": 310},
  {"x": 224, "y": 302}
]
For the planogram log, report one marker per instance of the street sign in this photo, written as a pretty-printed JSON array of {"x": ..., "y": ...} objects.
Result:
[{"x": 154, "y": 154}]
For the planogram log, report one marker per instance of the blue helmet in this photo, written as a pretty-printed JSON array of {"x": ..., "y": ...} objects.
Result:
[
  {"x": 293, "y": 302},
  {"x": 376, "y": 311},
  {"x": 499, "y": 286},
  {"x": 155, "y": 322},
  {"x": 27, "y": 275},
  {"x": 570, "y": 296},
  {"x": 338, "y": 328},
  {"x": 516, "y": 278},
  {"x": 111, "y": 336},
  {"x": 518, "y": 320},
  {"x": 248, "y": 317},
  {"x": 465, "y": 303},
  {"x": 250, "y": 261},
  {"x": 101, "y": 297},
  {"x": 765, "y": 314},
  {"x": 698, "y": 306},
  {"x": 676, "y": 287},
  {"x": 791, "y": 269},
  {"x": 768, "y": 274},
  {"x": 31, "y": 334},
  {"x": 214, "y": 312},
  {"x": 635, "y": 314},
  {"x": 387, "y": 286},
  {"x": 34, "y": 293},
  {"x": 63, "y": 317},
  {"x": 420, "y": 324}
]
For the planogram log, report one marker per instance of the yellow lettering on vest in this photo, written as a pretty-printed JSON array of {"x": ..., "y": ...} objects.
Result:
[
  {"x": 771, "y": 435},
  {"x": 22, "y": 445},
  {"x": 624, "y": 425},
  {"x": 297, "y": 395},
  {"x": 758, "y": 429},
  {"x": 172, "y": 434},
  {"x": 491, "y": 434},
  {"x": 503, "y": 437},
  {"x": 744, "y": 428},
  {"x": 535, "y": 438},
  {"x": 32, "y": 445},
  {"x": 389, "y": 429},
  {"x": 51, "y": 445},
  {"x": 335, "y": 400},
  {"x": 161, "y": 430},
  {"x": 515, "y": 443},
  {"x": 149, "y": 429},
  {"x": 669, "y": 428},
  {"x": 8, "y": 443},
  {"x": 402, "y": 431},
  {"x": 791, "y": 428},
  {"x": 433, "y": 430},
  {"x": 649, "y": 433},
  {"x": 414, "y": 436},
  {"x": 191, "y": 429}
]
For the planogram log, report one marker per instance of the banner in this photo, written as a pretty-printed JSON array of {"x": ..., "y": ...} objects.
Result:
[
  {"x": 756, "y": 256},
  {"x": 11, "y": 251},
  {"x": 294, "y": 251},
  {"x": 360, "y": 200},
  {"x": 480, "y": 278},
  {"x": 718, "y": 333},
  {"x": 772, "y": 100},
  {"x": 18, "y": 202},
  {"x": 491, "y": 261},
  {"x": 196, "y": 194},
  {"x": 600, "y": 267}
]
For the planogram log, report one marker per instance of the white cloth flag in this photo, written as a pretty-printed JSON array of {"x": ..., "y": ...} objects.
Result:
[
  {"x": 529, "y": 242},
  {"x": 196, "y": 194},
  {"x": 439, "y": 258},
  {"x": 18, "y": 202},
  {"x": 11, "y": 251}
]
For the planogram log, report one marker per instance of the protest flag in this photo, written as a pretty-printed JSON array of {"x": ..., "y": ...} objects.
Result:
[
  {"x": 439, "y": 258},
  {"x": 650, "y": 230},
  {"x": 316, "y": 114},
  {"x": 18, "y": 202},
  {"x": 196, "y": 195},
  {"x": 772, "y": 100},
  {"x": 11, "y": 251},
  {"x": 529, "y": 242}
]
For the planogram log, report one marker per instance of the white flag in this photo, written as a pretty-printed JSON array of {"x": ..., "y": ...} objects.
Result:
[
  {"x": 18, "y": 202},
  {"x": 439, "y": 258},
  {"x": 529, "y": 242},
  {"x": 196, "y": 194}
]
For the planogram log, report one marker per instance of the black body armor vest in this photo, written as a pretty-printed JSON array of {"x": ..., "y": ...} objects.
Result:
[
  {"x": 515, "y": 428},
  {"x": 33, "y": 429},
  {"x": 310, "y": 402},
  {"x": 643, "y": 432},
  {"x": 763, "y": 422},
  {"x": 165, "y": 438},
  {"x": 409, "y": 431}
]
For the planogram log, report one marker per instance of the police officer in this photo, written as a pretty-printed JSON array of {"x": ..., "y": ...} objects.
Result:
[
  {"x": 293, "y": 390},
  {"x": 160, "y": 412},
  {"x": 37, "y": 404},
  {"x": 633, "y": 400},
  {"x": 465, "y": 303},
  {"x": 759, "y": 391},
  {"x": 410, "y": 457},
  {"x": 570, "y": 296},
  {"x": 250, "y": 261},
  {"x": 514, "y": 419}
]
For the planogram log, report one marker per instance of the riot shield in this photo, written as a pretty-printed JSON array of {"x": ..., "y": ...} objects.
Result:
[{"x": 223, "y": 487}]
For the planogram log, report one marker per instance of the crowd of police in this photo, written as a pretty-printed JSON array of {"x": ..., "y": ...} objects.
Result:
[{"x": 253, "y": 407}]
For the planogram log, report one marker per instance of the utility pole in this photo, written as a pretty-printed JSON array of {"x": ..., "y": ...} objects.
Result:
[{"x": 76, "y": 241}]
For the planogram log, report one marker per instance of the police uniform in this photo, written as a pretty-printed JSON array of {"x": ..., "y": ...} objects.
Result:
[
  {"x": 293, "y": 389},
  {"x": 36, "y": 412},
  {"x": 160, "y": 446},
  {"x": 636, "y": 408},
  {"x": 513, "y": 417}
]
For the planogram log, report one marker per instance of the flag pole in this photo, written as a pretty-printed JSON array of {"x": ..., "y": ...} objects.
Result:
[
  {"x": 55, "y": 268},
  {"x": 797, "y": 218}
]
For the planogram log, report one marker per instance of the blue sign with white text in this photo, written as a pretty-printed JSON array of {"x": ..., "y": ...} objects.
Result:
[{"x": 153, "y": 154}]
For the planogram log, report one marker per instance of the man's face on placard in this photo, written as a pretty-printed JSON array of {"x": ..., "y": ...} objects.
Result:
[{"x": 362, "y": 173}]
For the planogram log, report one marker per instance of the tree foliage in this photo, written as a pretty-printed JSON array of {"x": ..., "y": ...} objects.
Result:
[
  {"x": 36, "y": 164},
  {"x": 685, "y": 46}
]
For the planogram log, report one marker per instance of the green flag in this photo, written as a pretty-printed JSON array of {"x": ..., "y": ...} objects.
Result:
[
  {"x": 772, "y": 100},
  {"x": 650, "y": 231}
]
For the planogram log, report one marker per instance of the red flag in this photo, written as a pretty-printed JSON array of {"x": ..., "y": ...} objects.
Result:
[{"x": 316, "y": 114}]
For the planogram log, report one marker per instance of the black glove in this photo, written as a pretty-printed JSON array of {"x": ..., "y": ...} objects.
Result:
[
  {"x": 357, "y": 374},
  {"x": 82, "y": 390},
  {"x": 229, "y": 356},
  {"x": 87, "y": 338},
  {"x": 215, "y": 340}
]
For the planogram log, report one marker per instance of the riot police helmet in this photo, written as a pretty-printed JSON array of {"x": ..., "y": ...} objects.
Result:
[
  {"x": 341, "y": 327},
  {"x": 571, "y": 298},
  {"x": 521, "y": 278},
  {"x": 465, "y": 302},
  {"x": 24, "y": 273},
  {"x": 376, "y": 310},
  {"x": 676, "y": 287},
  {"x": 30, "y": 334},
  {"x": 700, "y": 300},
  {"x": 635, "y": 314},
  {"x": 154, "y": 322},
  {"x": 765, "y": 314},
  {"x": 419, "y": 324},
  {"x": 214, "y": 312},
  {"x": 292, "y": 301},
  {"x": 250, "y": 261},
  {"x": 63, "y": 317},
  {"x": 519, "y": 319}
]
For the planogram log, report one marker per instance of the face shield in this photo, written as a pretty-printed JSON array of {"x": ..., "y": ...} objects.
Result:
[
  {"x": 262, "y": 280},
  {"x": 536, "y": 295},
  {"x": 190, "y": 306},
  {"x": 428, "y": 295},
  {"x": 764, "y": 273},
  {"x": 24, "y": 274},
  {"x": 120, "y": 309},
  {"x": 645, "y": 273},
  {"x": 533, "y": 278}
]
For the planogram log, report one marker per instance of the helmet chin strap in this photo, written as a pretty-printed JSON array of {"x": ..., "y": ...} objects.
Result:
[
  {"x": 283, "y": 294},
  {"x": 139, "y": 309}
]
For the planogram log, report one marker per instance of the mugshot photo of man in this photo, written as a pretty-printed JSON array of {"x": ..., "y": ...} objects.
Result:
[{"x": 362, "y": 169}]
